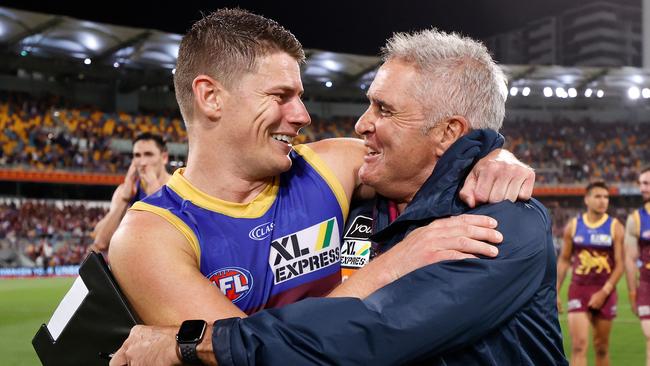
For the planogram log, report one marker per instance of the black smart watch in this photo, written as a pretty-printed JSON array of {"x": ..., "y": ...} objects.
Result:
[{"x": 189, "y": 336}]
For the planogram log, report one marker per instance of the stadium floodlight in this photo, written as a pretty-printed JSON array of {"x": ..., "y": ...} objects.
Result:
[
  {"x": 560, "y": 92},
  {"x": 514, "y": 91},
  {"x": 525, "y": 91},
  {"x": 116, "y": 64},
  {"x": 645, "y": 93},
  {"x": 573, "y": 93},
  {"x": 173, "y": 71},
  {"x": 88, "y": 61},
  {"x": 548, "y": 92},
  {"x": 328, "y": 84},
  {"x": 600, "y": 93},
  {"x": 588, "y": 92},
  {"x": 633, "y": 93}
]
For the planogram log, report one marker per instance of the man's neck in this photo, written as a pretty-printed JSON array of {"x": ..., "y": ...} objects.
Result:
[
  {"x": 594, "y": 217},
  {"x": 221, "y": 181}
]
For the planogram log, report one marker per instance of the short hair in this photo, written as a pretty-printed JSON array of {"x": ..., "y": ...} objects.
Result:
[
  {"x": 148, "y": 136},
  {"x": 225, "y": 45},
  {"x": 596, "y": 184},
  {"x": 474, "y": 86}
]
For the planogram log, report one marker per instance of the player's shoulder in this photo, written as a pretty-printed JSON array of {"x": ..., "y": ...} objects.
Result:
[
  {"x": 531, "y": 211},
  {"x": 525, "y": 225},
  {"x": 336, "y": 146}
]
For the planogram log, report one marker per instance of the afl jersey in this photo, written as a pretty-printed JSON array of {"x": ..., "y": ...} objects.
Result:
[
  {"x": 279, "y": 248},
  {"x": 642, "y": 221},
  {"x": 593, "y": 250},
  {"x": 139, "y": 195}
]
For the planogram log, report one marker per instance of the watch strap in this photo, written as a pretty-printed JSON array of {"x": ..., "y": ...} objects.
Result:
[{"x": 188, "y": 354}]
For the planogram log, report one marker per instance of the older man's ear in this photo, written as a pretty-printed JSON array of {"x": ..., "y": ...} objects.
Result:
[{"x": 447, "y": 131}]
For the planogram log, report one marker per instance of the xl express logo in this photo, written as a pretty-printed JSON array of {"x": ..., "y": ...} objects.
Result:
[
  {"x": 305, "y": 251},
  {"x": 234, "y": 282}
]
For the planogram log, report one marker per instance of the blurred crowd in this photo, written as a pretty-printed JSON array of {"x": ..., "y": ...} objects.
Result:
[
  {"x": 46, "y": 134},
  {"x": 564, "y": 152},
  {"x": 48, "y": 233}
]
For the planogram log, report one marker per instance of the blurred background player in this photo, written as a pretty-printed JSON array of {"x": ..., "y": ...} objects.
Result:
[
  {"x": 637, "y": 246},
  {"x": 146, "y": 174},
  {"x": 593, "y": 246}
]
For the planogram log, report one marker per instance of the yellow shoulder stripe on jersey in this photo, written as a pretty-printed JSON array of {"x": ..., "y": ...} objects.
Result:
[
  {"x": 253, "y": 209},
  {"x": 176, "y": 222},
  {"x": 315, "y": 161},
  {"x": 574, "y": 226},
  {"x": 595, "y": 224}
]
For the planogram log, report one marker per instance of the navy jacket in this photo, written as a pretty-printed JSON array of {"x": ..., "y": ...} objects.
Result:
[{"x": 498, "y": 311}]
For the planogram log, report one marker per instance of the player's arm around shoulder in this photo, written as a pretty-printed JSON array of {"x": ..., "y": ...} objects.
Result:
[
  {"x": 344, "y": 157},
  {"x": 525, "y": 227},
  {"x": 158, "y": 271}
]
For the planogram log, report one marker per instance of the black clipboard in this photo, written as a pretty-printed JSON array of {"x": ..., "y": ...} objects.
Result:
[{"x": 98, "y": 326}]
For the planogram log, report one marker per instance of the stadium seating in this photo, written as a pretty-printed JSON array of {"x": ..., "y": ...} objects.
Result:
[{"x": 27, "y": 225}]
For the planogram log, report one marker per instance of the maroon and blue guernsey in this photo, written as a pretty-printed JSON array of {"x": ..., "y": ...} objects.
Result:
[
  {"x": 593, "y": 250},
  {"x": 642, "y": 221},
  {"x": 281, "y": 247}
]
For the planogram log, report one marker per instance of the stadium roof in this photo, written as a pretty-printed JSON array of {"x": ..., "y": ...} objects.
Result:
[{"x": 24, "y": 34}]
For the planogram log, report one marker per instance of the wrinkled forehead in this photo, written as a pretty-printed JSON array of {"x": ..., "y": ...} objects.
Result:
[{"x": 394, "y": 78}]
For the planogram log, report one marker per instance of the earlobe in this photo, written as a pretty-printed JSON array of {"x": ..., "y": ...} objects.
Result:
[{"x": 208, "y": 96}]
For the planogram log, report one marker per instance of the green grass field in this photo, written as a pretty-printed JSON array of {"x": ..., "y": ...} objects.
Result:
[{"x": 27, "y": 303}]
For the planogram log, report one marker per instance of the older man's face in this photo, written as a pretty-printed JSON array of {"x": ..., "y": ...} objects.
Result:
[
  {"x": 400, "y": 157},
  {"x": 644, "y": 186}
]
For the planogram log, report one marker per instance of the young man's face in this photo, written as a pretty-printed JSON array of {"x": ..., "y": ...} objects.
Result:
[
  {"x": 597, "y": 200},
  {"x": 147, "y": 155},
  {"x": 264, "y": 112},
  {"x": 400, "y": 157},
  {"x": 644, "y": 186}
]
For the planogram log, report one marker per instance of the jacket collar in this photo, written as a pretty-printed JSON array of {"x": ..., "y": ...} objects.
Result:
[{"x": 438, "y": 196}]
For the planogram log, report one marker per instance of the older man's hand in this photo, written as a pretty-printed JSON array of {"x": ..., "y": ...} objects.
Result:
[
  {"x": 148, "y": 345},
  {"x": 497, "y": 177}
]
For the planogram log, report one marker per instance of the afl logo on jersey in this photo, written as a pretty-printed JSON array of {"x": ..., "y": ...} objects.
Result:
[
  {"x": 261, "y": 232},
  {"x": 234, "y": 282},
  {"x": 645, "y": 234}
]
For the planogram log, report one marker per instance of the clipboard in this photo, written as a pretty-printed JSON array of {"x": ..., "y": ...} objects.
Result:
[{"x": 91, "y": 322}]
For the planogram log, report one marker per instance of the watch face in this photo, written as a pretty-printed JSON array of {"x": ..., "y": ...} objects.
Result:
[{"x": 191, "y": 331}]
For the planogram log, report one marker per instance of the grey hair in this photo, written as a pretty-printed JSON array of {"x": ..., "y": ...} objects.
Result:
[{"x": 457, "y": 77}]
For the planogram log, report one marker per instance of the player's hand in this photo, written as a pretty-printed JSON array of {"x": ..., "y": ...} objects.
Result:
[
  {"x": 150, "y": 180},
  {"x": 559, "y": 305},
  {"x": 148, "y": 345},
  {"x": 597, "y": 300},
  {"x": 497, "y": 177},
  {"x": 453, "y": 238},
  {"x": 128, "y": 187}
]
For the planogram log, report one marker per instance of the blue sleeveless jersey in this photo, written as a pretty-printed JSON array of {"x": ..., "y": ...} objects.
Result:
[
  {"x": 593, "y": 250},
  {"x": 140, "y": 194},
  {"x": 280, "y": 248},
  {"x": 642, "y": 221}
]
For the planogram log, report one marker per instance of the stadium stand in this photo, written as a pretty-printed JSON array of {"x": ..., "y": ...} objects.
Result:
[{"x": 28, "y": 226}]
